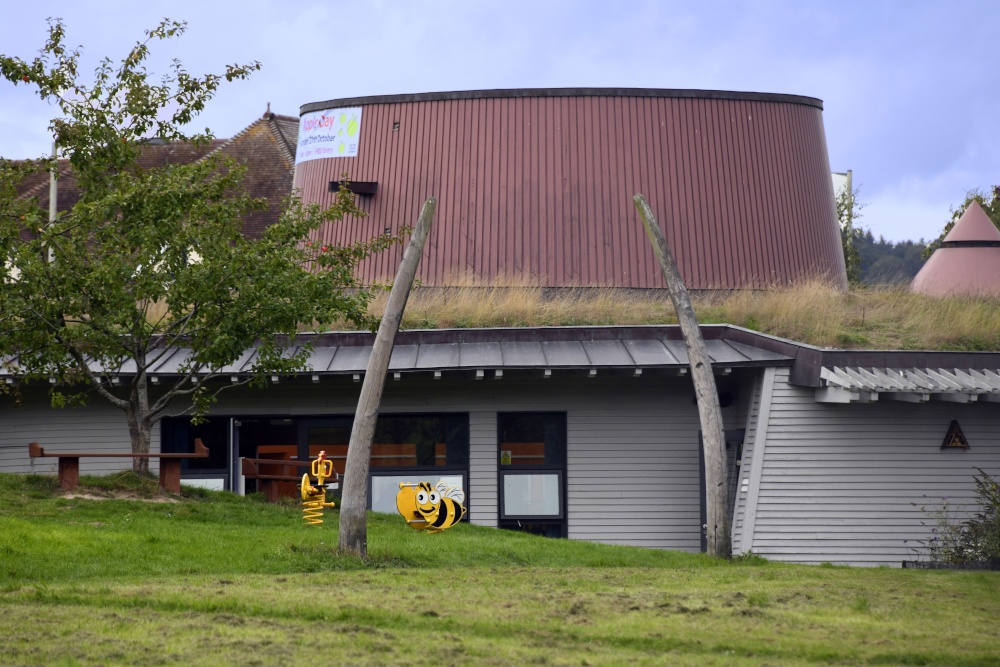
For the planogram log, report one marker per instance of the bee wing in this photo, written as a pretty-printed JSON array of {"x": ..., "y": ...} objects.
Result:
[{"x": 452, "y": 492}]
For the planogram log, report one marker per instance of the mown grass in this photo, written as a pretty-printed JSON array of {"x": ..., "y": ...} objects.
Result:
[
  {"x": 811, "y": 312},
  {"x": 214, "y": 579}
]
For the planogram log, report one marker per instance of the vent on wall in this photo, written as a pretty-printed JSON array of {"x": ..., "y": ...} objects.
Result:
[
  {"x": 954, "y": 438},
  {"x": 364, "y": 188}
]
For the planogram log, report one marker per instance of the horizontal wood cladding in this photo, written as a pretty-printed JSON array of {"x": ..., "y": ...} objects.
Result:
[
  {"x": 541, "y": 188},
  {"x": 632, "y": 473},
  {"x": 98, "y": 427},
  {"x": 846, "y": 483},
  {"x": 741, "y": 491},
  {"x": 483, "y": 468}
]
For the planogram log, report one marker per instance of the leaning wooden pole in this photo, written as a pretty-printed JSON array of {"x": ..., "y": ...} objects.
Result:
[
  {"x": 713, "y": 439},
  {"x": 354, "y": 499}
]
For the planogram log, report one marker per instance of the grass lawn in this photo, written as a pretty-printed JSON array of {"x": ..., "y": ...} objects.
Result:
[{"x": 211, "y": 579}]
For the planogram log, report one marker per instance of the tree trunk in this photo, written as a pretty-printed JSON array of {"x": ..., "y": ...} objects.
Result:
[
  {"x": 354, "y": 499},
  {"x": 140, "y": 431},
  {"x": 140, "y": 426},
  {"x": 713, "y": 439}
]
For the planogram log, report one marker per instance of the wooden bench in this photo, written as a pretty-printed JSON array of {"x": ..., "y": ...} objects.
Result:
[
  {"x": 170, "y": 464},
  {"x": 263, "y": 470}
]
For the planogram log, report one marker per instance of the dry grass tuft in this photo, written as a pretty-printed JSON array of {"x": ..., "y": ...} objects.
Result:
[{"x": 812, "y": 312}]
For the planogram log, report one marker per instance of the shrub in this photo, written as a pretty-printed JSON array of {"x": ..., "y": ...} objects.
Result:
[{"x": 975, "y": 539}]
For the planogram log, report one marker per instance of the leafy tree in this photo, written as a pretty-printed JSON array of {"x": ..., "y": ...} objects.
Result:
[
  {"x": 849, "y": 210},
  {"x": 990, "y": 204},
  {"x": 150, "y": 260},
  {"x": 885, "y": 262}
]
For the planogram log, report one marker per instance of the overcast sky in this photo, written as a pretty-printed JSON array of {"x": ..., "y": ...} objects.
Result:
[{"x": 910, "y": 91}]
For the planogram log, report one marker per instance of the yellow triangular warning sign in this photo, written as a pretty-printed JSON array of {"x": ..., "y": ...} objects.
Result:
[{"x": 955, "y": 437}]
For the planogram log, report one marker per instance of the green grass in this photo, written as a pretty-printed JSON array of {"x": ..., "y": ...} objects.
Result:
[{"x": 214, "y": 579}]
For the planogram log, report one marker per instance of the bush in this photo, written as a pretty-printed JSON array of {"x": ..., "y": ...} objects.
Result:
[
  {"x": 982, "y": 531},
  {"x": 973, "y": 540}
]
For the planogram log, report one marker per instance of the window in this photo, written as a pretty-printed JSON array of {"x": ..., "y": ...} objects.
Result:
[
  {"x": 417, "y": 448},
  {"x": 532, "y": 439},
  {"x": 531, "y": 449},
  {"x": 532, "y": 495},
  {"x": 177, "y": 435},
  {"x": 406, "y": 448}
]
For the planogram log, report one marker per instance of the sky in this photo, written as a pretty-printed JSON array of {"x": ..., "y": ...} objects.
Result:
[{"x": 910, "y": 94}]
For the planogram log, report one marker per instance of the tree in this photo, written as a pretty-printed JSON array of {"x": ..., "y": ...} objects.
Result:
[
  {"x": 990, "y": 204},
  {"x": 849, "y": 210},
  {"x": 889, "y": 263},
  {"x": 150, "y": 260}
]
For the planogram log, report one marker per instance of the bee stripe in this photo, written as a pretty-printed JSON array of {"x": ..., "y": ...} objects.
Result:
[{"x": 447, "y": 510}]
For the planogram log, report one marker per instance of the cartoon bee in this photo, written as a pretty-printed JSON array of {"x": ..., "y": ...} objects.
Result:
[{"x": 430, "y": 508}]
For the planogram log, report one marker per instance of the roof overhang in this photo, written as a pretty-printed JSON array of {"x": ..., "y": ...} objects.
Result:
[
  {"x": 597, "y": 349},
  {"x": 622, "y": 349},
  {"x": 910, "y": 385}
]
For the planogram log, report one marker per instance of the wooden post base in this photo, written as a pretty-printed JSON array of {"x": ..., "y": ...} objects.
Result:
[
  {"x": 170, "y": 475},
  {"x": 69, "y": 473}
]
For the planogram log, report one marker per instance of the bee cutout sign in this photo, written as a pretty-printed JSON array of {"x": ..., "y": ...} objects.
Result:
[{"x": 430, "y": 508}]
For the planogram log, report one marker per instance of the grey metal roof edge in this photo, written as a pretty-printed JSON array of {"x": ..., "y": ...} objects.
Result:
[
  {"x": 675, "y": 93},
  {"x": 809, "y": 359},
  {"x": 516, "y": 334},
  {"x": 806, "y": 360}
]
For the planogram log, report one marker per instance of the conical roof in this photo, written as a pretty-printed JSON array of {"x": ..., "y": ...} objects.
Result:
[
  {"x": 974, "y": 225},
  {"x": 968, "y": 261}
]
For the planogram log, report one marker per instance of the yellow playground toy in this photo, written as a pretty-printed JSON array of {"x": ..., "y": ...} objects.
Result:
[
  {"x": 430, "y": 508},
  {"x": 314, "y": 497}
]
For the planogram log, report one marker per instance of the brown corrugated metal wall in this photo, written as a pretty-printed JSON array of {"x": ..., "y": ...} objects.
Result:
[{"x": 540, "y": 184}]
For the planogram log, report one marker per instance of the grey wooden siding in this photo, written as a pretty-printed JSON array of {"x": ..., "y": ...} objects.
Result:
[
  {"x": 483, "y": 468},
  {"x": 844, "y": 483},
  {"x": 632, "y": 474},
  {"x": 752, "y": 415},
  {"x": 98, "y": 427}
]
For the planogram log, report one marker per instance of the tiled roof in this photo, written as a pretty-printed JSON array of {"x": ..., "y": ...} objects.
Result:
[
  {"x": 266, "y": 147},
  {"x": 153, "y": 155}
]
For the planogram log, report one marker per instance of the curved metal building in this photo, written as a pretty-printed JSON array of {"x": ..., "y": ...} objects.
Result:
[{"x": 539, "y": 183}]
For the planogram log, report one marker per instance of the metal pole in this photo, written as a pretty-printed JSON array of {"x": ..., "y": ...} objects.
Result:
[{"x": 53, "y": 188}]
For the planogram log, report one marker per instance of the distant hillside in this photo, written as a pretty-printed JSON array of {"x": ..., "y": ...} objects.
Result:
[{"x": 887, "y": 263}]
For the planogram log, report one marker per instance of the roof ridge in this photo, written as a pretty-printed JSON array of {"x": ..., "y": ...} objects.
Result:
[
  {"x": 42, "y": 185},
  {"x": 286, "y": 146},
  {"x": 227, "y": 142}
]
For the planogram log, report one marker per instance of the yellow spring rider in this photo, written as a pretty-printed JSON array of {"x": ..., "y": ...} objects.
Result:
[{"x": 314, "y": 497}]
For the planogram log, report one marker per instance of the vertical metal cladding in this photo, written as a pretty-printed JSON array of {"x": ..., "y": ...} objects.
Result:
[{"x": 538, "y": 184}]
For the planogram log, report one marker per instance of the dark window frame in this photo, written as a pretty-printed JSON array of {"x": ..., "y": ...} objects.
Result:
[{"x": 560, "y": 469}]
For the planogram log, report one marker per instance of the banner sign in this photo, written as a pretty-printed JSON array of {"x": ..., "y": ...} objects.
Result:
[{"x": 329, "y": 133}]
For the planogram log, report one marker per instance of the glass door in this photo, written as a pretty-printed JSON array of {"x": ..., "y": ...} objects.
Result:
[
  {"x": 531, "y": 449},
  {"x": 331, "y": 435}
]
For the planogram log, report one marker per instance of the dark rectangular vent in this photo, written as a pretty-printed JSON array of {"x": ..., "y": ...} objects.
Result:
[{"x": 367, "y": 188}]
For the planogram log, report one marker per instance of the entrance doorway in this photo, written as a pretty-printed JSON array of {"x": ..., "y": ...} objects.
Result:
[{"x": 531, "y": 451}]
